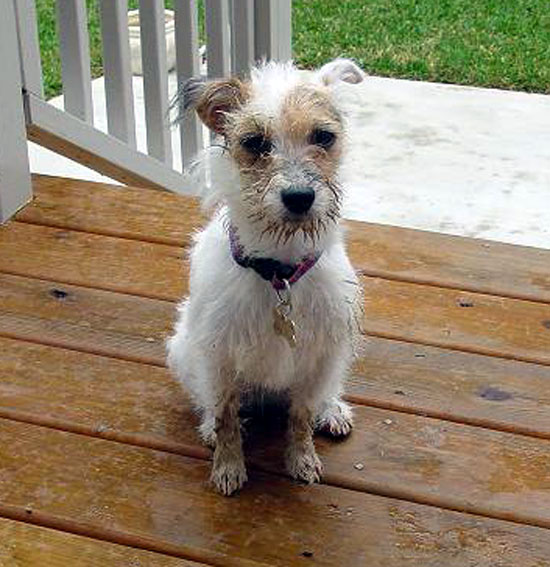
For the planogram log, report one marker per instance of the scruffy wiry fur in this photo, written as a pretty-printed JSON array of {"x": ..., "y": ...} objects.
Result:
[{"x": 224, "y": 342}]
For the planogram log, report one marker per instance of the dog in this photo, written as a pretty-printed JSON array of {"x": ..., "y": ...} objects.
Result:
[{"x": 274, "y": 301}]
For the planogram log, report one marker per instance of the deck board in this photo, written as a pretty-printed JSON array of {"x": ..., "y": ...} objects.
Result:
[
  {"x": 407, "y": 456},
  {"x": 86, "y": 319},
  {"x": 473, "y": 322},
  {"x": 163, "y": 499},
  {"x": 80, "y": 258},
  {"x": 450, "y": 391},
  {"x": 24, "y": 544},
  {"x": 498, "y": 326},
  {"x": 479, "y": 390},
  {"x": 90, "y": 207},
  {"x": 135, "y": 329},
  {"x": 377, "y": 250}
]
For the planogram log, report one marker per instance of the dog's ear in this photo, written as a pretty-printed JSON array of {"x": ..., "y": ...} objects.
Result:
[
  {"x": 213, "y": 100},
  {"x": 340, "y": 70}
]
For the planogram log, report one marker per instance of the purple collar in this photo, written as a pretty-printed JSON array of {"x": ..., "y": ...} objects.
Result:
[{"x": 269, "y": 269}]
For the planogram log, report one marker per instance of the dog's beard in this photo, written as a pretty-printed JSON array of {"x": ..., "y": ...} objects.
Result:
[
  {"x": 255, "y": 202},
  {"x": 312, "y": 228},
  {"x": 282, "y": 229}
]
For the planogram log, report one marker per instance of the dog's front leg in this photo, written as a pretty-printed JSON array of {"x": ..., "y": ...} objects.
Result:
[
  {"x": 302, "y": 461},
  {"x": 228, "y": 471}
]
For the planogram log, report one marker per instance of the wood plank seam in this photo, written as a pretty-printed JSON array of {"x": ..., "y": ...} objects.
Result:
[
  {"x": 358, "y": 400},
  {"x": 151, "y": 239},
  {"x": 387, "y": 336},
  {"x": 23, "y": 545},
  {"x": 56, "y": 343},
  {"x": 111, "y": 289},
  {"x": 43, "y": 519},
  {"x": 441, "y": 344},
  {"x": 335, "y": 480},
  {"x": 136, "y": 440},
  {"x": 383, "y": 275},
  {"x": 443, "y": 416},
  {"x": 365, "y": 272},
  {"x": 378, "y": 334}
]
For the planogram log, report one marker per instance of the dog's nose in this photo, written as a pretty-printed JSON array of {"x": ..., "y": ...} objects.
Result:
[{"x": 298, "y": 200}]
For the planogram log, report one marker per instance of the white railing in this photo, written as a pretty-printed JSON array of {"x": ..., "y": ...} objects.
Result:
[
  {"x": 15, "y": 181},
  {"x": 238, "y": 32}
]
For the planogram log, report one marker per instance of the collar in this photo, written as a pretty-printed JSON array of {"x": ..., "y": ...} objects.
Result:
[{"x": 269, "y": 269}]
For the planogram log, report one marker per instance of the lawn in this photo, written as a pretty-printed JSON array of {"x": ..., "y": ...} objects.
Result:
[{"x": 491, "y": 43}]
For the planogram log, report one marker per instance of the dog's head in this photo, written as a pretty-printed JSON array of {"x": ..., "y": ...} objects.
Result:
[{"x": 284, "y": 135}]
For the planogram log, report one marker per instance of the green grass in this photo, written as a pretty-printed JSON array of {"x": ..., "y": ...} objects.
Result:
[{"x": 491, "y": 43}]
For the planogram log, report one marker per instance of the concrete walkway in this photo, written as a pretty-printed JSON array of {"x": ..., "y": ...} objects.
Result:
[{"x": 458, "y": 160}]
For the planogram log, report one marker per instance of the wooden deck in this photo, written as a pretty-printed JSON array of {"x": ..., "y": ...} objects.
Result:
[{"x": 100, "y": 465}]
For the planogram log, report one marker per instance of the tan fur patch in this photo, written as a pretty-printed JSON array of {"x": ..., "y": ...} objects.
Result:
[
  {"x": 220, "y": 98},
  {"x": 293, "y": 159},
  {"x": 304, "y": 109}
]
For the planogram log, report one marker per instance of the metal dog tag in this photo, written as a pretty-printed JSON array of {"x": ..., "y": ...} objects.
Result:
[{"x": 283, "y": 325}]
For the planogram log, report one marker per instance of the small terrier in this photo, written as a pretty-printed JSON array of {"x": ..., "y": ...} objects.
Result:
[{"x": 273, "y": 304}]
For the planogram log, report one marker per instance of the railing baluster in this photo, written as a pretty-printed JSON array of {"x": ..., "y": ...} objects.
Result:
[
  {"x": 242, "y": 35},
  {"x": 74, "y": 46},
  {"x": 238, "y": 33},
  {"x": 27, "y": 32},
  {"x": 117, "y": 69},
  {"x": 155, "y": 79},
  {"x": 218, "y": 42},
  {"x": 15, "y": 177},
  {"x": 273, "y": 29},
  {"x": 188, "y": 65}
]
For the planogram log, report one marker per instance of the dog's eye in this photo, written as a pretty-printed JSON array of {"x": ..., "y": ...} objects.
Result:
[
  {"x": 257, "y": 145},
  {"x": 323, "y": 138}
]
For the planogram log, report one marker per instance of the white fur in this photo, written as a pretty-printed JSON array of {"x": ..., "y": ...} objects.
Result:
[
  {"x": 228, "y": 320},
  {"x": 224, "y": 337}
]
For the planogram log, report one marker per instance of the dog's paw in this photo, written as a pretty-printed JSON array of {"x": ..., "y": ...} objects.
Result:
[
  {"x": 228, "y": 477},
  {"x": 335, "y": 420},
  {"x": 305, "y": 466}
]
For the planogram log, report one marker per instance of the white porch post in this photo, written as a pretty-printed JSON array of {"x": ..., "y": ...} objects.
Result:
[
  {"x": 27, "y": 31},
  {"x": 15, "y": 177}
]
